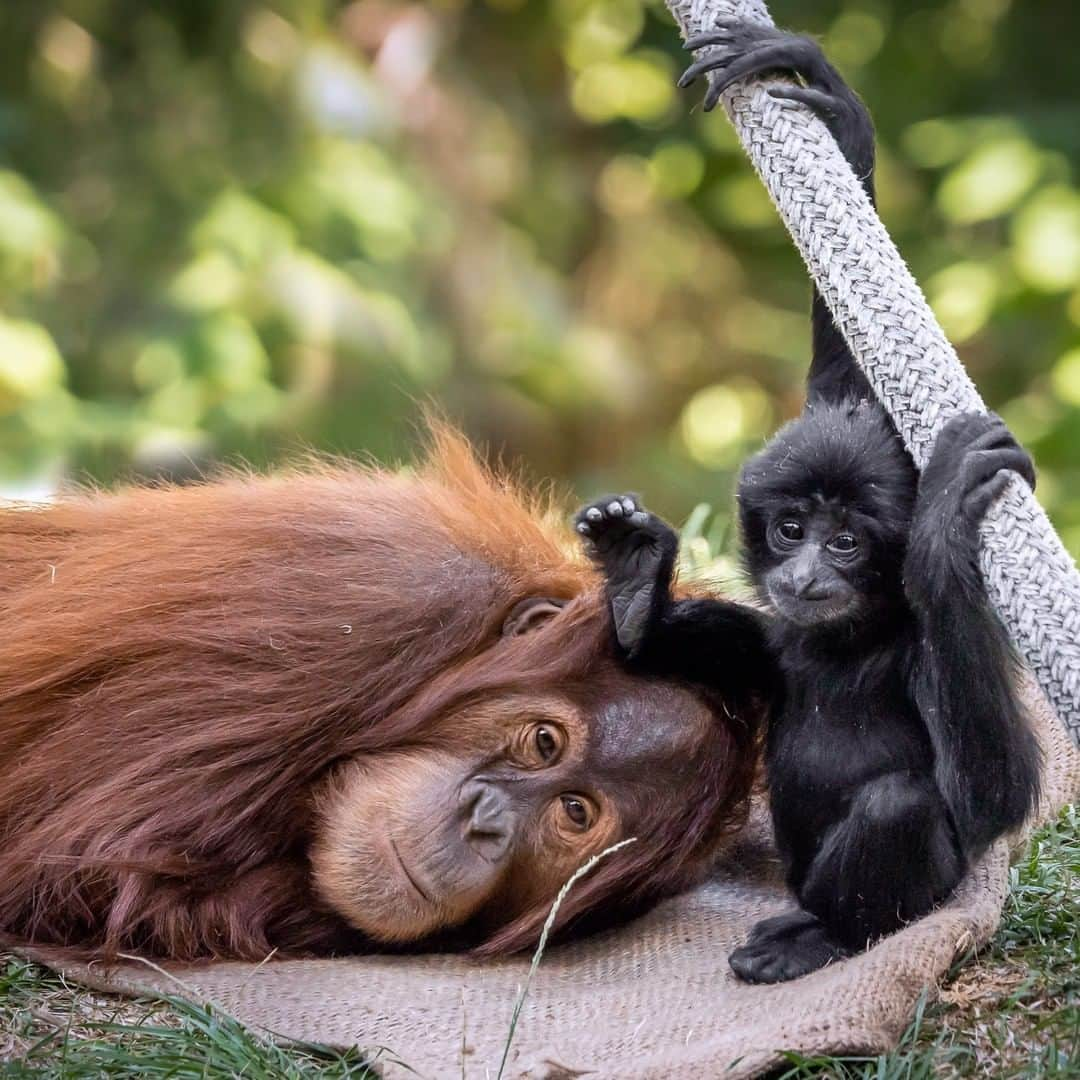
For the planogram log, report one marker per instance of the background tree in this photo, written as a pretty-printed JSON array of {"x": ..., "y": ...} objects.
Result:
[{"x": 240, "y": 228}]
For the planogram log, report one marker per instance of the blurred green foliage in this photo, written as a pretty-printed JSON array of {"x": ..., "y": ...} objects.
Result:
[{"x": 238, "y": 228}]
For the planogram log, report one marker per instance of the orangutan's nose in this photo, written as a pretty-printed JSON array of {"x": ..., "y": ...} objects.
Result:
[{"x": 488, "y": 817}]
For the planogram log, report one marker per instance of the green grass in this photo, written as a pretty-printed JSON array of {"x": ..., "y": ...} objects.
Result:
[
  {"x": 1013, "y": 1011},
  {"x": 50, "y": 1029}
]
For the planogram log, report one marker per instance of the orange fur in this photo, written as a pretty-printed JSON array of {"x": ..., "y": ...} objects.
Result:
[{"x": 182, "y": 668}]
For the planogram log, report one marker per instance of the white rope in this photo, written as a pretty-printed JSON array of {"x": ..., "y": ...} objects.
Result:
[{"x": 1030, "y": 577}]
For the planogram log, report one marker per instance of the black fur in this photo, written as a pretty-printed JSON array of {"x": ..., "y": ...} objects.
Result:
[
  {"x": 897, "y": 749},
  {"x": 665, "y": 636}
]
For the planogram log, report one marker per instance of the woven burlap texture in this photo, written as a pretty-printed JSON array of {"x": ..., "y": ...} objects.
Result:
[
  {"x": 893, "y": 334},
  {"x": 652, "y": 999}
]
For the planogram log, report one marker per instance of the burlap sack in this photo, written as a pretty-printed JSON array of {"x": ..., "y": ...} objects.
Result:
[{"x": 653, "y": 999}]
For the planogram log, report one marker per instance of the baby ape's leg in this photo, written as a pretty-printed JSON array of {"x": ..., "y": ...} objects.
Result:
[
  {"x": 745, "y": 49},
  {"x": 888, "y": 861},
  {"x": 718, "y": 644}
]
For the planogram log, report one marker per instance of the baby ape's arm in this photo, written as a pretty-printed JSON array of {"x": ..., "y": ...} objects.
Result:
[
  {"x": 748, "y": 49},
  {"x": 712, "y": 642},
  {"x": 704, "y": 640},
  {"x": 987, "y": 760}
]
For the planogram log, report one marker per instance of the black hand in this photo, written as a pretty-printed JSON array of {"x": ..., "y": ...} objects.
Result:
[
  {"x": 636, "y": 551},
  {"x": 968, "y": 469}
]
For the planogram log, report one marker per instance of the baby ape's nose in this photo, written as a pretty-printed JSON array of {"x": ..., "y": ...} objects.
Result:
[
  {"x": 489, "y": 818},
  {"x": 805, "y": 584},
  {"x": 811, "y": 589}
]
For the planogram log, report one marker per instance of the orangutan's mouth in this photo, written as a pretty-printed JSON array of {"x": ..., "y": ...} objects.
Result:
[{"x": 408, "y": 876}]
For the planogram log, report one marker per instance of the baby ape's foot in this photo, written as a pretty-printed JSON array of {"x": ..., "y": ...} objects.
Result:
[
  {"x": 785, "y": 947},
  {"x": 742, "y": 49},
  {"x": 636, "y": 551}
]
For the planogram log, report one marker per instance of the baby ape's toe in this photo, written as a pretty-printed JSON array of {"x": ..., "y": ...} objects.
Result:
[
  {"x": 745, "y": 962},
  {"x": 772, "y": 963}
]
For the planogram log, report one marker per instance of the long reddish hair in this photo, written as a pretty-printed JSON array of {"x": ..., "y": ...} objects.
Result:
[{"x": 181, "y": 667}]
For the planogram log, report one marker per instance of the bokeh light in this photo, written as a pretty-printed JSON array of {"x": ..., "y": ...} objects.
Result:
[{"x": 236, "y": 231}]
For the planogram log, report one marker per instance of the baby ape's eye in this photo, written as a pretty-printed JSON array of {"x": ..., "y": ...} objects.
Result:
[
  {"x": 547, "y": 746},
  {"x": 845, "y": 543},
  {"x": 576, "y": 811},
  {"x": 791, "y": 531}
]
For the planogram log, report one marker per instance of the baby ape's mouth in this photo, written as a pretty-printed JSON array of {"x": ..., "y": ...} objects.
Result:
[
  {"x": 408, "y": 874},
  {"x": 812, "y": 611}
]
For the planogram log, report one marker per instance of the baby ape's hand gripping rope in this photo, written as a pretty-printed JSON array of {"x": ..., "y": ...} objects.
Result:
[{"x": 1030, "y": 577}]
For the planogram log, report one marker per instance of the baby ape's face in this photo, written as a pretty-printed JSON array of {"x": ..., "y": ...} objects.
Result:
[
  {"x": 820, "y": 558},
  {"x": 486, "y": 826},
  {"x": 825, "y": 511}
]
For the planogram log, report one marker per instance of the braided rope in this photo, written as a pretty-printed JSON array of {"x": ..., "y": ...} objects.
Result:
[{"x": 1030, "y": 577}]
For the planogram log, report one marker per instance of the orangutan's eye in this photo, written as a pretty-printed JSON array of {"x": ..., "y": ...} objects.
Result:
[
  {"x": 576, "y": 811},
  {"x": 547, "y": 745}
]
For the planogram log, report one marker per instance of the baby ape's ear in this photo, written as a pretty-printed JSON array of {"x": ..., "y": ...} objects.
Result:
[{"x": 530, "y": 614}]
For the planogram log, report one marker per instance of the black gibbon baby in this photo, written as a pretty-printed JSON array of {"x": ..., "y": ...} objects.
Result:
[{"x": 897, "y": 750}]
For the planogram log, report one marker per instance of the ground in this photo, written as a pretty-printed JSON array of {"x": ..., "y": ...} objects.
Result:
[{"x": 1013, "y": 1011}]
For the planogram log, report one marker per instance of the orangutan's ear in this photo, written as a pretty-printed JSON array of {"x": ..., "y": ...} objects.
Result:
[{"x": 531, "y": 614}]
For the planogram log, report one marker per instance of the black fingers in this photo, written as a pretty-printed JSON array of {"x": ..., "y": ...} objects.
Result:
[
  {"x": 703, "y": 41},
  {"x": 747, "y": 48},
  {"x": 967, "y": 428},
  {"x": 611, "y": 511},
  {"x": 782, "y": 57},
  {"x": 971, "y": 448},
  {"x": 982, "y": 465},
  {"x": 986, "y": 476},
  {"x": 607, "y": 523},
  {"x": 970, "y": 465},
  {"x": 821, "y": 102},
  {"x": 618, "y": 525},
  {"x": 979, "y": 499},
  {"x": 712, "y": 62}
]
